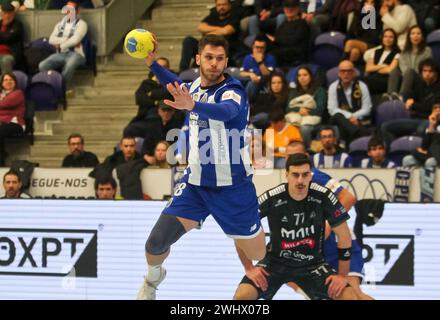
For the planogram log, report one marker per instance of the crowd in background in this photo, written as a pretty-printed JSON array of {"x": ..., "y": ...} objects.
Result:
[{"x": 268, "y": 39}]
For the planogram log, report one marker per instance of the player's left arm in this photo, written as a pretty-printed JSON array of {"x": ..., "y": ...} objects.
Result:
[
  {"x": 344, "y": 247},
  {"x": 230, "y": 105}
]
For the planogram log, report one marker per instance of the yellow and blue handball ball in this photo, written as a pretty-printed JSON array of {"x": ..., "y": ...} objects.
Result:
[{"x": 139, "y": 43}]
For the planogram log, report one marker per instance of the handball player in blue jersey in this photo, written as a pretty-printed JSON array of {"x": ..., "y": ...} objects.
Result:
[
  {"x": 348, "y": 200},
  {"x": 218, "y": 179}
]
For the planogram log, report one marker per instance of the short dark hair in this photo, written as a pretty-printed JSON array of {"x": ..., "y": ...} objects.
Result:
[
  {"x": 298, "y": 159},
  {"x": 375, "y": 142},
  {"x": 12, "y": 172},
  {"x": 327, "y": 128},
  {"x": 127, "y": 137},
  {"x": 260, "y": 38},
  {"x": 276, "y": 115},
  {"x": 105, "y": 180},
  {"x": 167, "y": 61},
  {"x": 429, "y": 62},
  {"x": 215, "y": 41},
  {"x": 75, "y": 135}
]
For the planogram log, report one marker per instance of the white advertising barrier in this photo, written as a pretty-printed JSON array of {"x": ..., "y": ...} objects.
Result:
[
  {"x": 364, "y": 183},
  {"x": 87, "y": 249},
  {"x": 62, "y": 182}
]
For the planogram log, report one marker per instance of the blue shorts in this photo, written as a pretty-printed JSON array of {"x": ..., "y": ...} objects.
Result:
[
  {"x": 235, "y": 208},
  {"x": 356, "y": 261}
]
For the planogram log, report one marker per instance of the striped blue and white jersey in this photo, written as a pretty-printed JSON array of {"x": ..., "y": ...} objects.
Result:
[
  {"x": 338, "y": 160},
  {"x": 217, "y": 132}
]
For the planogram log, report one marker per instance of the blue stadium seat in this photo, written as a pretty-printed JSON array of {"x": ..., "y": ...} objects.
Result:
[
  {"x": 189, "y": 75},
  {"x": 433, "y": 41},
  {"x": 402, "y": 147},
  {"x": 358, "y": 150},
  {"x": 390, "y": 110},
  {"x": 47, "y": 90}
]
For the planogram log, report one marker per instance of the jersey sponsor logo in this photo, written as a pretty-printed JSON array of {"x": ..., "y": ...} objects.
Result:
[
  {"x": 296, "y": 255},
  {"x": 298, "y": 234},
  {"x": 337, "y": 213},
  {"x": 284, "y": 219},
  {"x": 313, "y": 215},
  {"x": 280, "y": 203},
  {"x": 231, "y": 95},
  {"x": 389, "y": 259},
  {"x": 312, "y": 199},
  {"x": 310, "y": 242}
]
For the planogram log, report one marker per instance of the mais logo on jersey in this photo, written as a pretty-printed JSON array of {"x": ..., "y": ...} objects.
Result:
[
  {"x": 389, "y": 259},
  {"x": 48, "y": 252}
]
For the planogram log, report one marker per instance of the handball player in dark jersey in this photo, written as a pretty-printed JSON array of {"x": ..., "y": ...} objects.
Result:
[{"x": 297, "y": 212}]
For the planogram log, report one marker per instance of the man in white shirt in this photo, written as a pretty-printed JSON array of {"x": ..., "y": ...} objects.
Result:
[
  {"x": 349, "y": 104},
  {"x": 66, "y": 37},
  {"x": 399, "y": 17}
]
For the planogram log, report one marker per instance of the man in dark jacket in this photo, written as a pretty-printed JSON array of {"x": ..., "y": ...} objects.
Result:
[
  {"x": 78, "y": 158},
  {"x": 419, "y": 103},
  {"x": 127, "y": 153},
  {"x": 156, "y": 129},
  {"x": 11, "y": 39},
  {"x": 291, "y": 39},
  {"x": 148, "y": 95}
]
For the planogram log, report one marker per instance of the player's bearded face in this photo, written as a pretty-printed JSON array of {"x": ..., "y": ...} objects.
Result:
[
  {"x": 213, "y": 62},
  {"x": 298, "y": 178}
]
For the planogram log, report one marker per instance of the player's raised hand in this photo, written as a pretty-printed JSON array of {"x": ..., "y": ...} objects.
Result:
[
  {"x": 152, "y": 55},
  {"x": 258, "y": 276},
  {"x": 337, "y": 284},
  {"x": 182, "y": 98}
]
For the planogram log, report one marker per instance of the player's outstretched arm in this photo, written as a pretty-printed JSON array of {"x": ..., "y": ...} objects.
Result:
[
  {"x": 223, "y": 111},
  {"x": 165, "y": 76}
]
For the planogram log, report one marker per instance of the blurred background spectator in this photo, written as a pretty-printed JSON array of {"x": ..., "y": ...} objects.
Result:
[
  {"x": 12, "y": 110},
  {"x": 78, "y": 157}
]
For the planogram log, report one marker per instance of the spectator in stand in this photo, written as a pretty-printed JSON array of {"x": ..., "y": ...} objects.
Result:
[
  {"x": 157, "y": 128},
  {"x": 12, "y": 185},
  {"x": 105, "y": 188},
  {"x": 415, "y": 52},
  {"x": 12, "y": 110},
  {"x": 268, "y": 17},
  {"x": 432, "y": 19},
  {"x": 377, "y": 155},
  {"x": 127, "y": 153},
  {"x": 318, "y": 14},
  {"x": 148, "y": 96},
  {"x": 381, "y": 62},
  {"x": 160, "y": 155},
  {"x": 67, "y": 38},
  {"x": 428, "y": 154},
  {"x": 278, "y": 136},
  {"x": 359, "y": 38},
  {"x": 220, "y": 21},
  {"x": 11, "y": 39},
  {"x": 399, "y": 17},
  {"x": 419, "y": 103},
  {"x": 341, "y": 11},
  {"x": 78, "y": 158},
  {"x": 307, "y": 103},
  {"x": 331, "y": 156},
  {"x": 257, "y": 66},
  {"x": 349, "y": 104},
  {"x": 264, "y": 103},
  {"x": 291, "y": 39}
]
